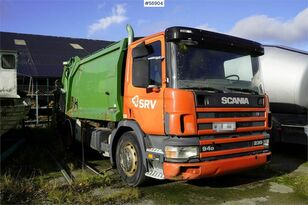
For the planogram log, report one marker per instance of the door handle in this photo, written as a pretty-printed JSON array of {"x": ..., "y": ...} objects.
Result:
[{"x": 153, "y": 88}]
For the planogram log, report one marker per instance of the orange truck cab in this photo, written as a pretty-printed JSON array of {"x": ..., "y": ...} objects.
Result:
[
  {"x": 196, "y": 103},
  {"x": 191, "y": 108}
]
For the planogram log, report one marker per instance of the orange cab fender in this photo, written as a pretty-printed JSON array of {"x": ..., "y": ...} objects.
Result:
[{"x": 126, "y": 126}]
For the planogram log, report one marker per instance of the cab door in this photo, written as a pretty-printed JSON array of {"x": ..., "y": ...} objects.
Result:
[{"x": 143, "y": 99}]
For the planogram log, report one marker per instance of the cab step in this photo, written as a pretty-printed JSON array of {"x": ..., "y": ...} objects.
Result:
[
  {"x": 155, "y": 150},
  {"x": 155, "y": 173}
]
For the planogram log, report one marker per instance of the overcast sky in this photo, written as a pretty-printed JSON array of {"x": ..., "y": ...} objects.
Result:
[{"x": 282, "y": 22}]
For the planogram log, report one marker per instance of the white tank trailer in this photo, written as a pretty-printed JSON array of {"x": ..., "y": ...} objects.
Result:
[{"x": 284, "y": 77}]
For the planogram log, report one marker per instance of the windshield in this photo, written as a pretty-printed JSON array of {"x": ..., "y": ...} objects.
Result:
[{"x": 198, "y": 66}]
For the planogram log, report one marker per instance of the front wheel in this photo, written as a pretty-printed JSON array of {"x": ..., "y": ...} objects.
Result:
[{"x": 129, "y": 160}]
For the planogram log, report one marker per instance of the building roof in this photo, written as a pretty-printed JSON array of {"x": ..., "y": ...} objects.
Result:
[{"x": 43, "y": 56}]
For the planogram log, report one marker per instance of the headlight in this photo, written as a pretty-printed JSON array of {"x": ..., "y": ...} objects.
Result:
[{"x": 173, "y": 152}]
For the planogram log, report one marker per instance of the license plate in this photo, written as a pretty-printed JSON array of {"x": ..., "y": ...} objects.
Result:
[{"x": 224, "y": 126}]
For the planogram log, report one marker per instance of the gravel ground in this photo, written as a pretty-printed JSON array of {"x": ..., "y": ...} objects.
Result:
[{"x": 283, "y": 181}]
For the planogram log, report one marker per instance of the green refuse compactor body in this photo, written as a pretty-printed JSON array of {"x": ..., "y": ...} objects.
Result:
[{"x": 93, "y": 85}]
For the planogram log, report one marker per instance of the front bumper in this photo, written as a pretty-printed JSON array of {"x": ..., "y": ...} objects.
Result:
[{"x": 188, "y": 171}]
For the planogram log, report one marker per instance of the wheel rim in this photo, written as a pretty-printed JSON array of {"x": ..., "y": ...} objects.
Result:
[{"x": 129, "y": 159}]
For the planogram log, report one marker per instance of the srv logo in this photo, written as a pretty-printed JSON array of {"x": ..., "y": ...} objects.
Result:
[
  {"x": 142, "y": 103},
  {"x": 234, "y": 100}
]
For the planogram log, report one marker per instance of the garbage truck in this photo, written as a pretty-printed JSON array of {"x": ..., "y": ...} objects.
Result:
[
  {"x": 177, "y": 105},
  {"x": 284, "y": 77}
]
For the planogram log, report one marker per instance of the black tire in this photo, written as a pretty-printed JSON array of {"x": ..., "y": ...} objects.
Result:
[
  {"x": 131, "y": 171},
  {"x": 67, "y": 134}
]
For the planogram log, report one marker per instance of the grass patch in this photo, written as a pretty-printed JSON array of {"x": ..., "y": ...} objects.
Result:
[
  {"x": 88, "y": 189},
  {"x": 85, "y": 189},
  {"x": 18, "y": 190},
  {"x": 122, "y": 196},
  {"x": 30, "y": 176},
  {"x": 298, "y": 182}
]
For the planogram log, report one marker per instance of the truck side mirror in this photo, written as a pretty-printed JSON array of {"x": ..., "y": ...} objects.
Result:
[{"x": 141, "y": 72}]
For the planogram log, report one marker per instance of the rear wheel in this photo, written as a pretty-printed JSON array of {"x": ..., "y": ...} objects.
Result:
[
  {"x": 129, "y": 160},
  {"x": 67, "y": 134}
]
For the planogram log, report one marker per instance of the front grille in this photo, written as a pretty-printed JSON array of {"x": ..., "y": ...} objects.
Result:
[
  {"x": 208, "y": 126},
  {"x": 228, "y": 146},
  {"x": 250, "y": 124},
  {"x": 205, "y": 126},
  {"x": 234, "y": 145},
  {"x": 229, "y": 114},
  {"x": 228, "y": 135},
  {"x": 246, "y": 119},
  {"x": 206, "y": 99}
]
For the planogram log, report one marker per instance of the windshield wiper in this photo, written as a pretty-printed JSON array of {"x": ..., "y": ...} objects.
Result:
[
  {"x": 246, "y": 90},
  {"x": 216, "y": 90}
]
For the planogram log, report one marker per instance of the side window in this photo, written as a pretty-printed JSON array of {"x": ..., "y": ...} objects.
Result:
[
  {"x": 147, "y": 66},
  {"x": 8, "y": 61},
  {"x": 155, "y": 64}
]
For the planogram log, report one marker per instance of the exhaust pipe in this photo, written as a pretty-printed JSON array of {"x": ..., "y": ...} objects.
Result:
[{"x": 130, "y": 32}]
